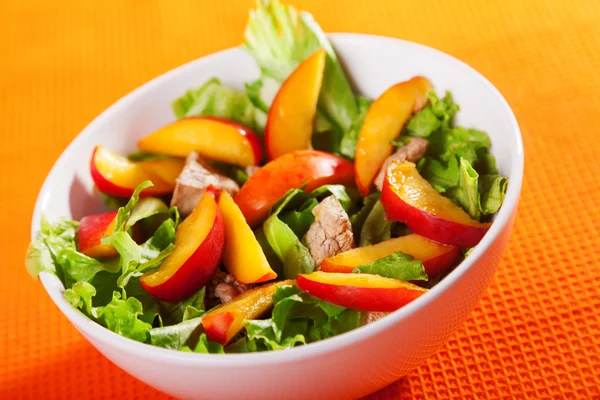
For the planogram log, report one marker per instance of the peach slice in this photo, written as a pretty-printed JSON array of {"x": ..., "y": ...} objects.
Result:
[
  {"x": 213, "y": 138},
  {"x": 407, "y": 197},
  {"x": 117, "y": 176},
  {"x": 224, "y": 322},
  {"x": 360, "y": 291},
  {"x": 437, "y": 258},
  {"x": 199, "y": 243},
  {"x": 290, "y": 171},
  {"x": 290, "y": 119},
  {"x": 383, "y": 123},
  {"x": 243, "y": 257},
  {"x": 92, "y": 229}
]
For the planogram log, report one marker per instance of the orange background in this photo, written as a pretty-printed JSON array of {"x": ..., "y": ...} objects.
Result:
[{"x": 535, "y": 334}]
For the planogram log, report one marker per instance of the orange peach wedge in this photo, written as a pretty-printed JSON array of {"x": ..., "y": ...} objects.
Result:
[
  {"x": 91, "y": 231},
  {"x": 213, "y": 138},
  {"x": 199, "y": 243},
  {"x": 437, "y": 258},
  {"x": 383, "y": 123},
  {"x": 243, "y": 257},
  {"x": 224, "y": 322},
  {"x": 290, "y": 120},
  {"x": 290, "y": 171},
  {"x": 407, "y": 197},
  {"x": 117, "y": 176},
  {"x": 360, "y": 291}
]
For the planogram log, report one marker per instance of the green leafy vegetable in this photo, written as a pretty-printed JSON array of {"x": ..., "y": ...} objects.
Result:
[
  {"x": 298, "y": 318},
  {"x": 441, "y": 175},
  {"x": 51, "y": 241},
  {"x": 478, "y": 195},
  {"x": 214, "y": 99},
  {"x": 145, "y": 156},
  {"x": 120, "y": 316},
  {"x": 358, "y": 220},
  {"x": 376, "y": 227},
  {"x": 397, "y": 265},
  {"x": 338, "y": 191},
  {"x": 176, "y": 336},
  {"x": 205, "y": 346},
  {"x": 350, "y": 137},
  {"x": 492, "y": 189},
  {"x": 285, "y": 243},
  {"x": 123, "y": 214},
  {"x": 279, "y": 38},
  {"x": 262, "y": 91},
  {"x": 183, "y": 310}
]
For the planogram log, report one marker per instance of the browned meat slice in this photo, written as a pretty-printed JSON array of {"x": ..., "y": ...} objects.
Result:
[
  {"x": 222, "y": 288},
  {"x": 331, "y": 233},
  {"x": 374, "y": 316},
  {"x": 412, "y": 151},
  {"x": 196, "y": 176},
  {"x": 251, "y": 170}
]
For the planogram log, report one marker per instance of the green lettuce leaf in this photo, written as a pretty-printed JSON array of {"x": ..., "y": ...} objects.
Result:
[
  {"x": 397, "y": 265},
  {"x": 358, "y": 219},
  {"x": 50, "y": 242},
  {"x": 493, "y": 190},
  {"x": 176, "y": 336},
  {"x": 285, "y": 243},
  {"x": 279, "y": 38},
  {"x": 477, "y": 195},
  {"x": 438, "y": 113},
  {"x": 376, "y": 228},
  {"x": 119, "y": 316},
  {"x": 183, "y": 310},
  {"x": 262, "y": 92},
  {"x": 297, "y": 319},
  {"x": 350, "y": 137},
  {"x": 205, "y": 346},
  {"x": 338, "y": 191},
  {"x": 145, "y": 156},
  {"x": 214, "y": 99}
]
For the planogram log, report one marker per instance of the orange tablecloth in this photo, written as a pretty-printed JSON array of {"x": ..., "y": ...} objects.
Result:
[{"x": 535, "y": 334}]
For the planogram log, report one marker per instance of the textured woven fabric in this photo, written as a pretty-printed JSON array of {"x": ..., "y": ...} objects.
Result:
[{"x": 535, "y": 334}]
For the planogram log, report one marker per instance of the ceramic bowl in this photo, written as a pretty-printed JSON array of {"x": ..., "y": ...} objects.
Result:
[{"x": 347, "y": 366}]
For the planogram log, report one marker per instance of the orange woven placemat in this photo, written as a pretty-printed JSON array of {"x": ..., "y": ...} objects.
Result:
[{"x": 535, "y": 334}]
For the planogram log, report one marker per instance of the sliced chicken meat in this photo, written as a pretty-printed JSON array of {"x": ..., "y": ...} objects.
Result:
[
  {"x": 196, "y": 176},
  {"x": 222, "y": 288},
  {"x": 331, "y": 233}
]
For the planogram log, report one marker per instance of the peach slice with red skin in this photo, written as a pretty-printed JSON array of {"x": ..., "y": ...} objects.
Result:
[
  {"x": 290, "y": 171},
  {"x": 199, "y": 243},
  {"x": 243, "y": 256},
  {"x": 436, "y": 257},
  {"x": 407, "y": 197},
  {"x": 92, "y": 229},
  {"x": 224, "y": 322},
  {"x": 290, "y": 119},
  {"x": 213, "y": 138},
  {"x": 117, "y": 176},
  {"x": 365, "y": 292},
  {"x": 383, "y": 123}
]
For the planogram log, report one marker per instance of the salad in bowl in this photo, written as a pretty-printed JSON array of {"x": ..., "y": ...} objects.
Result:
[{"x": 287, "y": 213}]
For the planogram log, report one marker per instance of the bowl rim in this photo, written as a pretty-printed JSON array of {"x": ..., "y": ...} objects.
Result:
[{"x": 108, "y": 338}]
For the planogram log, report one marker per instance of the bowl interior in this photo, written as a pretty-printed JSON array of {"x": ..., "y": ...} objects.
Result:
[{"x": 372, "y": 63}]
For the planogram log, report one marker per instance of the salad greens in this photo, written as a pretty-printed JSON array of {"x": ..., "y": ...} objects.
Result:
[
  {"x": 458, "y": 162},
  {"x": 279, "y": 38},
  {"x": 214, "y": 99},
  {"x": 297, "y": 318},
  {"x": 109, "y": 289},
  {"x": 397, "y": 265}
]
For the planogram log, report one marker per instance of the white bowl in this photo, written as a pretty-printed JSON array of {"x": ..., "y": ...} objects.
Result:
[{"x": 347, "y": 366}]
